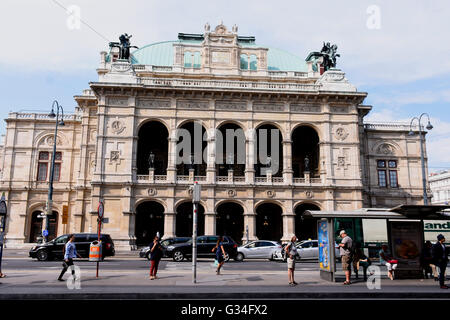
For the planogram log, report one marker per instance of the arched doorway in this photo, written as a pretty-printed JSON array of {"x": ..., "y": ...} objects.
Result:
[
  {"x": 230, "y": 220},
  {"x": 37, "y": 220},
  {"x": 305, "y": 144},
  {"x": 269, "y": 224},
  {"x": 149, "y": 221},
  {"x": 269, "y": 145},
  {"x": 305, "y": 226},
  {"x": 231, "y": 154},
  {"x": 190, "y": 152},
  {"x": 184, "y": 220},
  {"x": 153, "y": 137}
]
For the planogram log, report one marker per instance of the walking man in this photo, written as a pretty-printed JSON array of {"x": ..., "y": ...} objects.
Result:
[
  {"x": 70, "y": 252},
  {"x": 346, "y": 255},
  {"x": 291, "y": 253},
  {"x": 440, "y": 259}
]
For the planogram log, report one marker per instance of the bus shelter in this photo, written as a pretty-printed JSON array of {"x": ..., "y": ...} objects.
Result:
[{"x": 405, "y": 231}]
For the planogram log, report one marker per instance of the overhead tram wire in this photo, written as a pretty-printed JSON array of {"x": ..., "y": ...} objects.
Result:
[{"x": 82, "y": 21}]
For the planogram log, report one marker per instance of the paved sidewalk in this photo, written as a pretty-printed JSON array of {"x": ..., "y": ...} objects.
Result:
[{"x": 177, "y": 284}]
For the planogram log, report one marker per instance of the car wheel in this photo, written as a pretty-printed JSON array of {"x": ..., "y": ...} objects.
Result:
[
  {"x": 239, "y": 257},
  {"x": 272, "y": 258},
  {"x": 178, "y": 256},
  {"x": 42, "y": 255}
]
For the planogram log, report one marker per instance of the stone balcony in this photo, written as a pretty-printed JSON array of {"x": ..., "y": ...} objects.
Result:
[
  {"x": 227, "y": 180},
  {"x": 229, "y": 84}
]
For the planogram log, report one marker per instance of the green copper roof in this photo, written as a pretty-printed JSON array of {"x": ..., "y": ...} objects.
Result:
[{"x": 161, "y": 54}]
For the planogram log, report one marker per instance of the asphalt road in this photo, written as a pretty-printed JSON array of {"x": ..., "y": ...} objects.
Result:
[{"x": 21, "y": 262}]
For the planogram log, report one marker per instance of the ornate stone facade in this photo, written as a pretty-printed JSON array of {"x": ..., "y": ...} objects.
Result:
[{"x": 100, "y": 155}]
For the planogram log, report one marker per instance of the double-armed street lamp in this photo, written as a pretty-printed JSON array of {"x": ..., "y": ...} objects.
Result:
[
  {"x": 59, "y": 122},
  {"x": 421, "y": 134}
]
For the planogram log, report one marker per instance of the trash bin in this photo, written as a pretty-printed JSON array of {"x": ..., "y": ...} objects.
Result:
[{"x": 95, "y": 251}]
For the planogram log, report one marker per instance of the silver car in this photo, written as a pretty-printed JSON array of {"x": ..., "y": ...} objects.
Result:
[
  {"x": 260, "y": 249},
  {"x": 306, "y": 249}
]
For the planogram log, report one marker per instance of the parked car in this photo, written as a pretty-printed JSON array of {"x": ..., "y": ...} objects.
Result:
[
  {"x": 54, "y": 249},
  {"x": 307, "y": 249},
  {"x": 205, "y": 244},
  {"x": 258, "y": 249},
  {"x": 145, "y": 252}
]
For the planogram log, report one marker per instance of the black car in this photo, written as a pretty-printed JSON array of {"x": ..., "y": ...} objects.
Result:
[
  {"x": 145, "y": 252},
  {"x": 205, "y": 245},
  {"x": 54, "y": 249}
]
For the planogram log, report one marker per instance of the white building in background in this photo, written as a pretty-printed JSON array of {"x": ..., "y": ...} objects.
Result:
[{"x": 440, "y": 187}]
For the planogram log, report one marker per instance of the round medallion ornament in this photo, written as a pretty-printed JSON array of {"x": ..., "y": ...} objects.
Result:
[
  {"x": 152, "y": 192},
  {"x": 231, "y": 193},
  {"x": 117, "y": 127},
  {"x": 341, "y": 133},
  {"x": 309, "y": 194},
  {"x": 270, "y": 193}
]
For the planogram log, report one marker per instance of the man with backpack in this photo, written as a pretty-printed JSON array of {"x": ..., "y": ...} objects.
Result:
[{"x": 346, "y": 249}]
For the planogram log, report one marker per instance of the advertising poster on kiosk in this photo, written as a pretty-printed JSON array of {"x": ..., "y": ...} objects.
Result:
[
  {"x": 406, "y": 239},
  {"x": 324, "y": 245}
]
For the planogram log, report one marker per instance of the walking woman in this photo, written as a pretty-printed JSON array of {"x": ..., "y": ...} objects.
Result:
[
  {"x": 220, "y": 254},
  {"x": 70, "y": 252},
  {"x": 291, "y": 252},
  {"x": 156, "y": 253}
]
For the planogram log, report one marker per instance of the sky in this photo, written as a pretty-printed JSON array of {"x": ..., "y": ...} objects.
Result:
[{"x": 396, "y": 51}]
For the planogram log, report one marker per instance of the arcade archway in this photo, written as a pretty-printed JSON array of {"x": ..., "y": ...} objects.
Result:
[
  {"x": 269, "y": 224},
  {"x": 230, "y": 220},
  {"x": 184, "y": 220},
  {"x": 305, "y": 226},
  {"x": 37, "y": 221},
  {"x": 305, "y": 144},
  {"x": 149, "y": 221},
  {"x": 153, "y": 137},
  {"x": 269, "y": 150}
]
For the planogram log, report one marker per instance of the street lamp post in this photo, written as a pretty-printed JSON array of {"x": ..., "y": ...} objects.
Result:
[
  {"x": 411, "y": 133},
  {"x": 52, "y": 167}
]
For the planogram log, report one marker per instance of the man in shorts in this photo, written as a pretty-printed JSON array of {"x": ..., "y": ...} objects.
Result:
[
  {"x": 291, "y": 252},
  {"x": 345, "y": 252}
]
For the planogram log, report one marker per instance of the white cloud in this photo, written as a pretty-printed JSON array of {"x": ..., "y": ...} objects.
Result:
[
  {"x": 412, "y": 97},
  {"x": 409, "y": 45}
]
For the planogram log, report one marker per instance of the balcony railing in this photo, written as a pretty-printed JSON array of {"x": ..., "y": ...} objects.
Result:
[{"x": 228, "y": 84}]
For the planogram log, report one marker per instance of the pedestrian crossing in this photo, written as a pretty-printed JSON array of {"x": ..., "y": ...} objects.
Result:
[{"x": 179, "y": 266}]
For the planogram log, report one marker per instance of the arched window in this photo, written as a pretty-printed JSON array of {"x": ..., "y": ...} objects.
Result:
[
  {"x": 197, "y": 60},
  {"x": 253, "y": 62},
  {"x": 188, "y": 59},
  {"x": 244, "y": 62}
]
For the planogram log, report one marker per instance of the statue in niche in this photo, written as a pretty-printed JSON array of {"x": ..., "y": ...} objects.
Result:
[{"x": 307, "y": 164}]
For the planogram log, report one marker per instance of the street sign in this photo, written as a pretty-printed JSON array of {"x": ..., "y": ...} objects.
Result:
[
  {"x": 196, "y": 193},
  {"x": 45, "y": 233},
  {"x": 101, "y": 210},
  {"x": 65, "y": 215}
]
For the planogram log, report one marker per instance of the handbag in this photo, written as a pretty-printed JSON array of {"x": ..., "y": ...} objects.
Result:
[{"x": 216, "y": 263}]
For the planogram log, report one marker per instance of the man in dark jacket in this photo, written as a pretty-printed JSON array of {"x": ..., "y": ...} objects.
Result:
[{"x": 440, "y": 259}]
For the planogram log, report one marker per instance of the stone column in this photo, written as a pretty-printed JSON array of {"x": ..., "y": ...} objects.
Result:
[
  {"x": 169, "y": 224},
  {"x": 250, "y": 221},
  {"x": 211, "y": 158},
  {"x": 288, "y": 225},
  {"x": 287, "y": 162},
  {"x": 171, "y": 158},
  {"x": 250, "y": 157},
  {"x": 325, "y": 145},
  {"x": 210, "y": 222}
]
